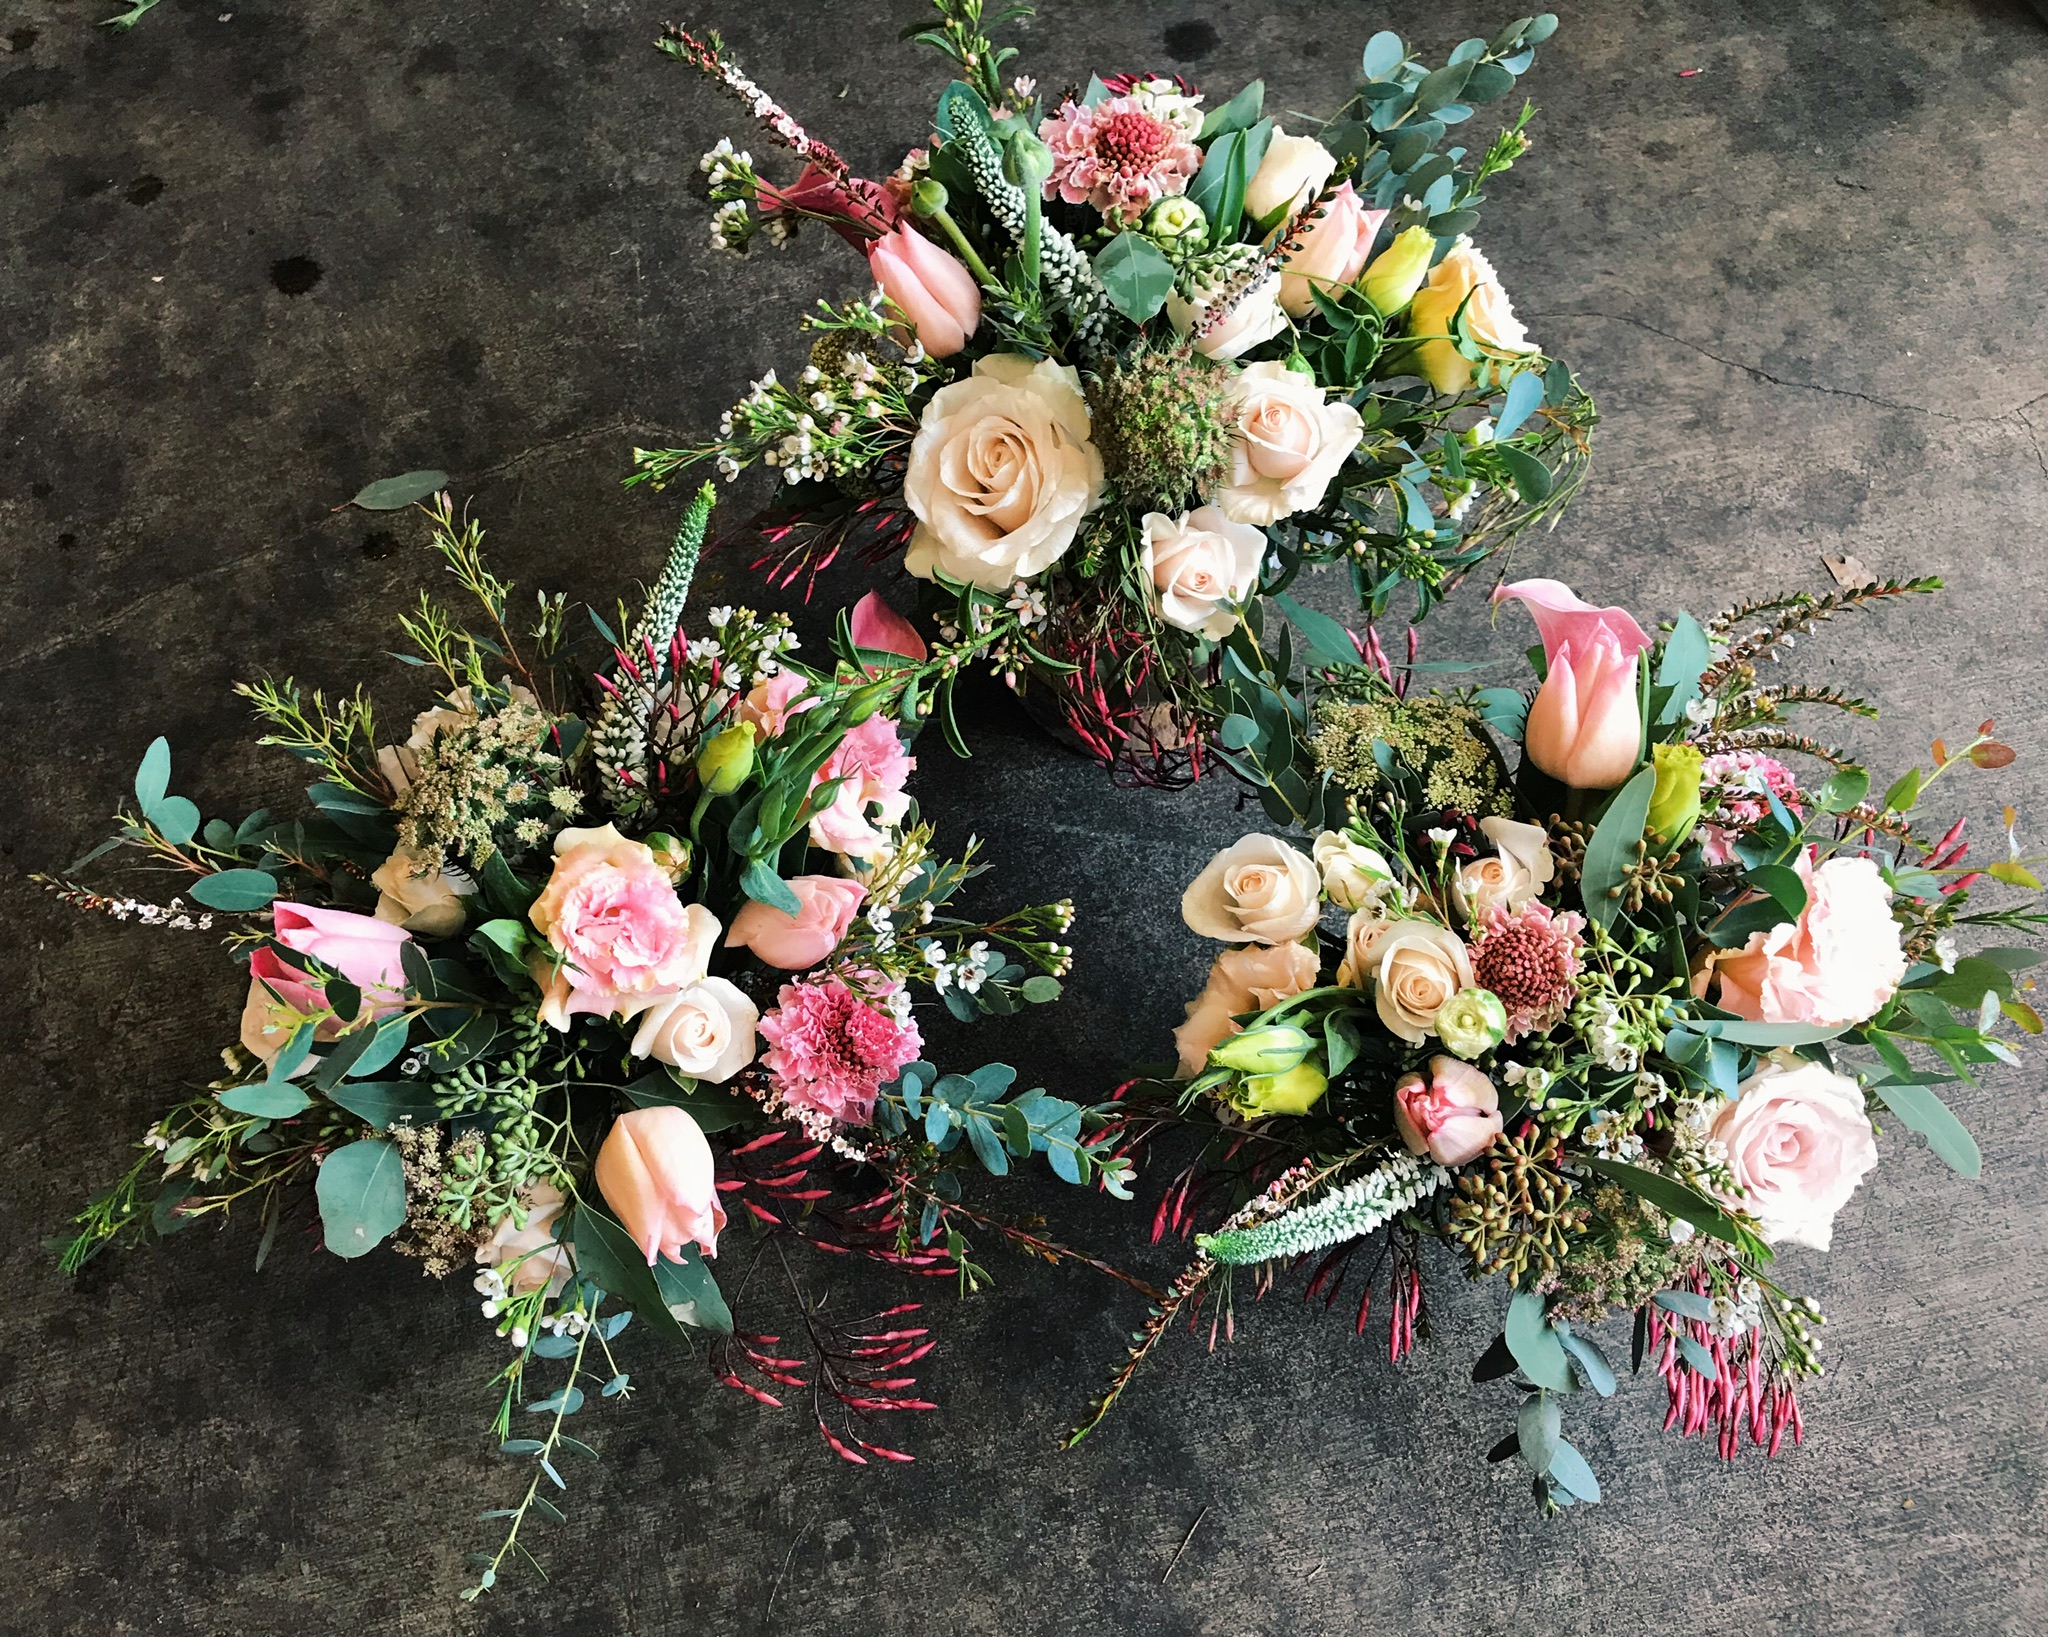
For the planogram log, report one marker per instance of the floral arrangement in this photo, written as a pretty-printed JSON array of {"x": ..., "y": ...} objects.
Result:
[
  {"x": 1132, "y": 357},
  {"x": 1593, "y": 988},
  {"x": 583, "y": 979}
]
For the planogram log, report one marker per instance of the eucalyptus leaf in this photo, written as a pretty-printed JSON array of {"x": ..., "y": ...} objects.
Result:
[
  {"x": 1535, "y": 1345},
  {"x": 267, "y": 1100},
  {"x": 1927, "y": 1114},
  {"x": 1136, "y": 275},
  {"x": 760, "y": 883},
  {"x": 390, "y": 494},
  {"x": 361, "y": 1189},
  {"x": 153, "y": 777},
  {"x": 234, "y": 890},
  {"x": 1611, "y": 854},
  {"x": 385, "y": 1103}
]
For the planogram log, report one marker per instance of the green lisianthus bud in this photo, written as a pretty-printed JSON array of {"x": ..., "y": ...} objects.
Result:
[
  {"x": 726, "y": 758},
  {"x": 1027, "y": 162},
  {"x": 927, "y": 198},
  {"x": 1397, "y": 272},
  {"x": 1176, "y": 218},
  {"x": 1472, "y": 1022},
  {"x": 671, "y": 854},
  {"x": 1295, "y": 1092},
  {"x": 1675, "y": 799},
  {"x": 1274, "y": 1049}
]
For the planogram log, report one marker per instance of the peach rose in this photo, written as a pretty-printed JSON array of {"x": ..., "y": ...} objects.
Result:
[
  {"x": 419, "y": 896},
  {"x": 1241, "y": 980},
  {"x": 1199, "y": 563},
  {"x": 1839, "y": 963},
  {"x": 1331, "y": 253},
  {"x": 616, "y": 928},
  {"x": 1453, "y": 1115},
  {"x": 1257, "y": 890},
  {"x": 1001, "y": 473},
  {"x": 705, "y": 1031},
  {"x": 1798, "y": 1143},
  {"x": 1254, "y": 317},
  {"x": 1463, "y": 279},
  {"x": 527, "y": 1257},
  {"x": 1412, "y": 967},
  {"x": 1512, "y": 879},
  {"x": 797, "y": 942},
  {"x": 1289, "y": 443}
]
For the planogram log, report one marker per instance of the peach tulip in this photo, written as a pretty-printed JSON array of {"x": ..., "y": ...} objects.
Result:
[
  {"x": 655, "y": 1172},
  {"x": 1330, "y": 253},
  {"x": 1585, "y": 727},
  {"x": 935, "y": 292}
]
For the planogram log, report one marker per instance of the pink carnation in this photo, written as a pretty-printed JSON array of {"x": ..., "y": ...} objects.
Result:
[
  {"x": 1733, "y": 788},
  {"x": 831, "y": 1052},
  {"x": 1531, "y": 961},
  {"x": 873, "y": 767},
  {"x": 1117, "y": 156},
  {"x": 1838, "y": 963}
]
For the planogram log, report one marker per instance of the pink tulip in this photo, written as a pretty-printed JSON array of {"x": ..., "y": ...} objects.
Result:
[
  {"x": 1585, "y": 727},
  {"x": 1453, "y": 1116},
  {"x": 280, "y": 995},
  {"x": 935, "y": 292},
  {"x": 655, "y": 1172},
  {"x": 879, "y": 627},
  {"x": 798, "y": 942},
  {"x": 1331, "y": 252},
  {"x": 361, "y": 948}
]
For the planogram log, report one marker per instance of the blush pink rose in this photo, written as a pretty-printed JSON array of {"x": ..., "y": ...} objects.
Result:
[
  {"x": 772, "y": 701},
  {"x": 616, "y": 928},
  {"x": 361, "y": 948},
  {"x": 934, "y": 291},
  {"x": 795, "y": 943},
  {"x": 655, "y": 1172},
  {"x": 872, "y": 768},
  {"x": 1453, "y": 1116},
  {"x": 1799, "y": 1143},
  {"x": 1839, "y": 963}
]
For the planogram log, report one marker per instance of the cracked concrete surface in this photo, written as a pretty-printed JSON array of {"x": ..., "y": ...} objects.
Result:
[{"x": 1807, "y": 285}]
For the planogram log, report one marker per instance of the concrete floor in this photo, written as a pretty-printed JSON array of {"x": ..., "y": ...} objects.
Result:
[{"x": 1810, "y": 287}]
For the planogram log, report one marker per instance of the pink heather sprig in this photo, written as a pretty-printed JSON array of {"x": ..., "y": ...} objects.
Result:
[{"x": 708, "y": 55}]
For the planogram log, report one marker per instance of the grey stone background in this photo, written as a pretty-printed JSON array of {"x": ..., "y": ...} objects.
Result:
[{"x": 1806, "y": 283}]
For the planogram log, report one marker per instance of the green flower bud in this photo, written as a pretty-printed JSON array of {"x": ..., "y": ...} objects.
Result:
[
  {"x": 726, "y": 758},
  {"x": 1300, "y": 365},
  {"x": 928, "y": 198},
  {"x": 1027, "y": 162},
  {"x": 1397, "y": 272},
  {"x": 1274, "y": 1049},
  {"x": 1471, "y": 1022},
  {"x": 1295, "y": 1092},
  {"x": 1675, "y": 800},
  {"x": 1176, "y": 218}
]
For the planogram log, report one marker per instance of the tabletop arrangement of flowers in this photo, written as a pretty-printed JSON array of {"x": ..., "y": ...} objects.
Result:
[
  {"x": 1594, "y": 989},
  {"x": 590, "y": 976},
  {"x": 1133, "y": 356}
]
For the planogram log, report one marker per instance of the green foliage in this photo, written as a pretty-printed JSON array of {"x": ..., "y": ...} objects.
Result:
[
  {"x": 362, "y": 1196},
  {"x": 391, "y": 494}
]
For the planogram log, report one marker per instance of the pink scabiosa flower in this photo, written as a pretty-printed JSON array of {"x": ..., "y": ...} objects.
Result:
[
  {"x": 1530, "y": 960},
  {"x": 1733, "y": 797},
  {"x": 831, "y": 1049},
  {"x": 1119, "y": 156}
]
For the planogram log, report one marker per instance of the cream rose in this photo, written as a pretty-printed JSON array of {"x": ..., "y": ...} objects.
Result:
[
  {"x": 1257, "y": 316},
  {"x": 1288, "y": 446},
  {"x": 1257, "y": 890},
  {"x": 1292, "y": 172},
  {"x": 1199, "y": 562},
  {"x": 412, "y": 893},
  {"x": 705, "y": 1031},
  {"x": 1511, "y": 880},
  {"x": 1242, "y": 980},
  {"x": 1001, "y": 473},
  {"x": 1464, "y": 279},
  {"x": 1354, "y": 876},
  {"x": 1798, "y": 1142},
  {"x": 1413, "y": 968}
]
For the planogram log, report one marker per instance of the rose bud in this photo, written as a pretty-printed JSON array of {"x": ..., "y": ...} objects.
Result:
[
  {"x": 1397, "y": 272},
  {"x": 1675, "y": 802},
  {"x": 655, "y": 1172},
  {"x": 1585, "y": 727}
]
